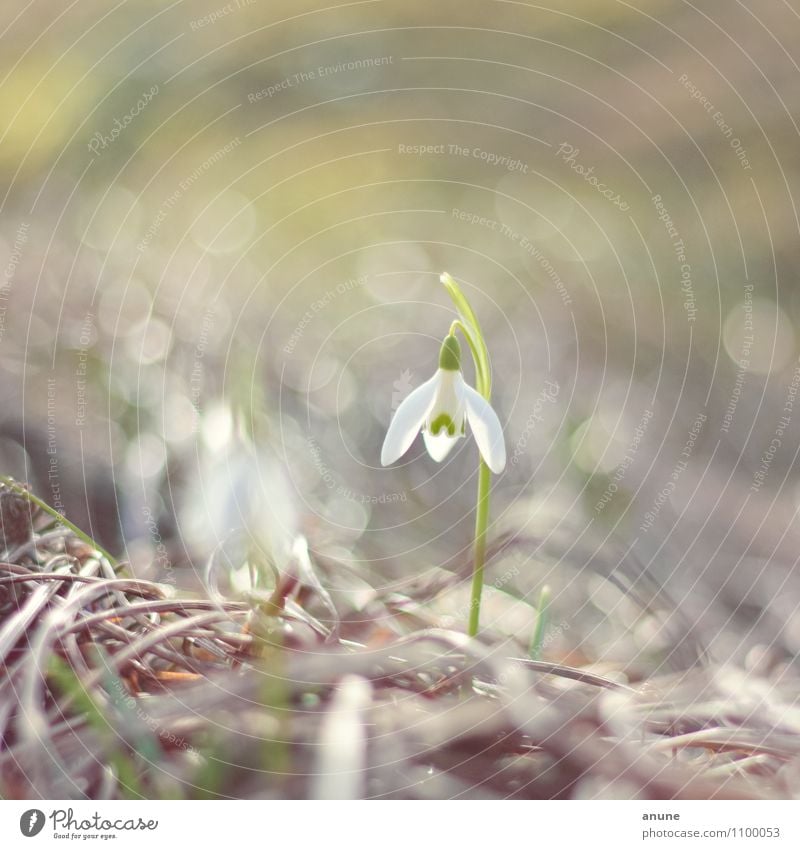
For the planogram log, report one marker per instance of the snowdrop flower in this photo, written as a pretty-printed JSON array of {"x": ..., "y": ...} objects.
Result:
[{"x": 441, "y": 407}]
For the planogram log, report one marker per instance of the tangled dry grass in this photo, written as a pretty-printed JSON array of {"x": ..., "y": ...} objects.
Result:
[{"x": 116, "y": 687}]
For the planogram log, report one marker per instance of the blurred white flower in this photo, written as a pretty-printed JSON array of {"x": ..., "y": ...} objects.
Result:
[
  {"x": 237, "y": 488},
  {"x": 441, "y": 407}
]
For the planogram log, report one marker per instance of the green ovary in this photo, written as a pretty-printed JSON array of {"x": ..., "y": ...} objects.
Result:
[{"x": 443, "y": 422}]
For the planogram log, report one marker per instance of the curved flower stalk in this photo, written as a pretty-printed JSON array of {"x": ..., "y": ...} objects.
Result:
[{"x": 441, "y": 408}]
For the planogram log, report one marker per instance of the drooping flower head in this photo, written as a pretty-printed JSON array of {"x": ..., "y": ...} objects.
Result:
[{"x": 441, "y": 408}]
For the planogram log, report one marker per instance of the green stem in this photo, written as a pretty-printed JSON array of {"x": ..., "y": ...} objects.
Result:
[
  {"x": 542, "y": 615},
  {"x": 471, "y": 329},
  {"x": 29, "y": 496},
  {"x": 480, "y": 378},
  {"x": 473, "y": 334},
  {"x": 481, "y": 523}
]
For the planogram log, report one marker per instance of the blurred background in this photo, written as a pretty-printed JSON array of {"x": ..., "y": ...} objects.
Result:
[{"x": 222, "y": 227}]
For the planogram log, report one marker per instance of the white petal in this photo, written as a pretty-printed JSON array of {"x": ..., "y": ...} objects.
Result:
[
  {"x": 439, "y": 446},
  {"x": 487, "y": 429},
  {"x": 448, "y": 394},
  {"x": 407, "y": 421}
]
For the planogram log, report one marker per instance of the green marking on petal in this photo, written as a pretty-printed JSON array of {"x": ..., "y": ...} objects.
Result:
[
  {"x": 450, "y": 354},
  {"x": 443, "y": 422}
]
